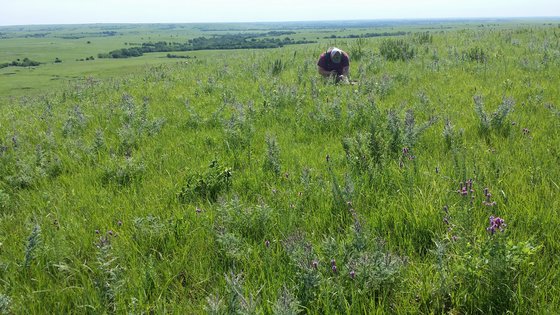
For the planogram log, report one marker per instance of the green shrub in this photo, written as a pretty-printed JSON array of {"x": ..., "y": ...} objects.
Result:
[
  {"x": 208, "y": 184},
  {"x": 475, "y": 54},
  {"x": 396, "y": 49}
]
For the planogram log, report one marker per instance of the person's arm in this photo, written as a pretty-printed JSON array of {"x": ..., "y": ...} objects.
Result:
[
  {"x": 345, "y": 71},
  {"x": 324, "y": 72}
]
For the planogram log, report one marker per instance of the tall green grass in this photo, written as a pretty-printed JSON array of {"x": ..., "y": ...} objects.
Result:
[{"x": 244, "y": 183}]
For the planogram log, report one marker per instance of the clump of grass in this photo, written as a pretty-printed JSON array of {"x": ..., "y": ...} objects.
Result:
[
  {"x": 422, "y": 37},
  {"x": 475, "y": 54},
  {"x": 48, "y": 163},
  {"x": 277, "y": 67},
  {"x": 248, "y": 222},
  {"x": 5, "y": 200},
  {"x": 207, "y": 184},
  {"x": 23, "y": 176},
  {"x": 76, "y": 122},
  {"x": 358, "y": 50},
  {"x": 99, "y": 143},
  {"x": 123, "y": 172},
  {"x": 238, "y": 227},
  {"x": 135, "y": 124},
  {"x": 239, "y": 130},
  {"x": 396, "y": 49}
]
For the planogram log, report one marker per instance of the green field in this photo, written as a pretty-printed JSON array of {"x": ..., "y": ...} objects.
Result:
[{"x": 241, "y": 182}]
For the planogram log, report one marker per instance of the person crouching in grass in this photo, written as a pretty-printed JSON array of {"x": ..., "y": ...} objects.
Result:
[{"x": 334, "y": 63}]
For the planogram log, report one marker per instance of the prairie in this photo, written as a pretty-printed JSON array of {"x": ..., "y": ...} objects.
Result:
[{"x": 239, "y": 181}]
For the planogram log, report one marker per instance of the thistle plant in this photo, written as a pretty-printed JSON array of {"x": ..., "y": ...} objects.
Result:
[
  {"x": 4, "y": 200},
  {"x": 5, "y": 304},
  {"x": 496, "y": 120},
  {"x": 287, "y": 303},
  {"x": 272, "y": 159},
  {"x": 108, "y": 280},
  {"x": 33, "y": 242}
]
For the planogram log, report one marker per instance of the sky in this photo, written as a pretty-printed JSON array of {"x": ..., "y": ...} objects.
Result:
[{"x": 30, "y": 12}]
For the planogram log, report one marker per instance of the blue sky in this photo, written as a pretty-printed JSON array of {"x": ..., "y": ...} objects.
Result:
[{"x": 23, "y": 12}]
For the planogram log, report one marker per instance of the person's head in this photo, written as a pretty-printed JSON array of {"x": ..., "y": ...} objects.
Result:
[{"x": 336, "y": 55}]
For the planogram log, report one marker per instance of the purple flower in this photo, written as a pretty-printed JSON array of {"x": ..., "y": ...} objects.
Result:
[
  {"x": 496, "y": 223},
  {"x": 267, "y": 243},
  {"x": 315, "y": 264},
  {"x": 352, "y": 274}
]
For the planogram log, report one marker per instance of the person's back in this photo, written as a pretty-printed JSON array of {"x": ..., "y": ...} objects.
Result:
[{"x": 334, "y": 62}]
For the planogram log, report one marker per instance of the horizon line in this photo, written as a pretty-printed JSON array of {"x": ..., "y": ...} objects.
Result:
[{"x": 427, "y": 19}]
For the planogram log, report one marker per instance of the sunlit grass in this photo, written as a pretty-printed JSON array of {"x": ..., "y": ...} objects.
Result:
[{"x": 238, "y": 183}]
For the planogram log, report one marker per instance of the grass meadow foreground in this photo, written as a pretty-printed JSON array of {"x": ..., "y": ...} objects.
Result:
[{"x": 240, "y": 182}]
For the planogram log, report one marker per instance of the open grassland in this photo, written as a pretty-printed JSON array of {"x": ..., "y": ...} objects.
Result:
[{"x": 241, "y": 182}]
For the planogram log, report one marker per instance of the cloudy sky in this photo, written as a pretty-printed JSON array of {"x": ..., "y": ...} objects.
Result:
[{"x": 23, "y": 12}]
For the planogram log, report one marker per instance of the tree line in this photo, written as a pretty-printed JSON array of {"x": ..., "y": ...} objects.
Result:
[
  {"x": 230, "y": 41},
  {"x": 26, "y": 62}
]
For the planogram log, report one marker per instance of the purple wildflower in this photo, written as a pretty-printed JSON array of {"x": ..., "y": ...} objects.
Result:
[
  {"x": 488, "y": 202},
  {"x": 315, "y": 264},
  {"x": 352, "y": 274},
  {"x": 496, "y": 223}
]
